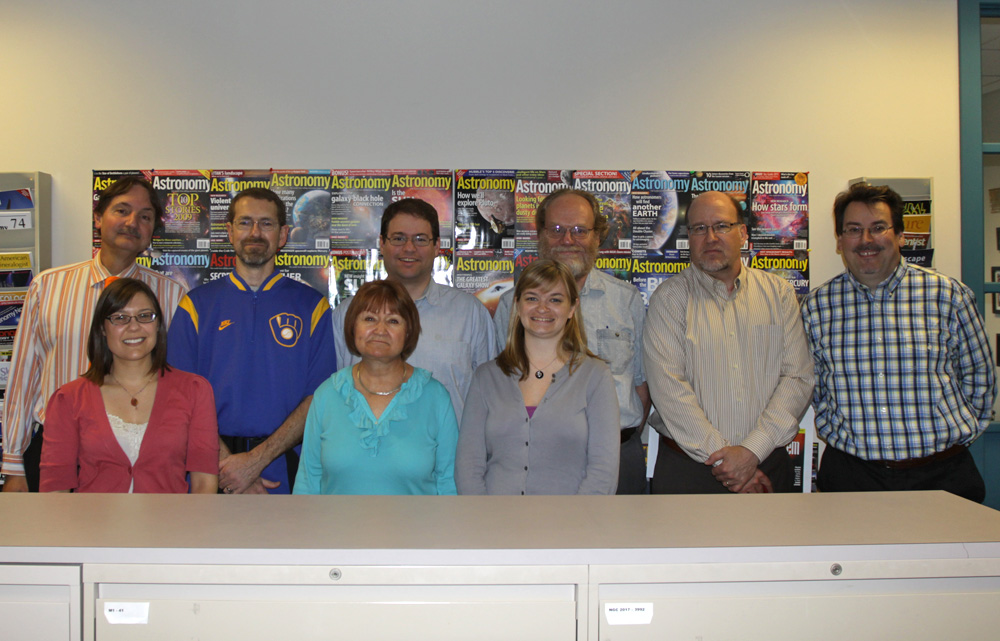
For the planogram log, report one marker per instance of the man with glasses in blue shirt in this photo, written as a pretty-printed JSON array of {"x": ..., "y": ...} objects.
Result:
[
  {"x": 904, "y": 372},
  {"x": 570, "y": 230},
  {"x": 729, "y": 371},
  {"x": 265, "y": 344},
  {"x": 456, "y": 334}
]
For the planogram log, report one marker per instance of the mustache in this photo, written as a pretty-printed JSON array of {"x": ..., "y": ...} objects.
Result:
[{"x": 868, "y": 247}]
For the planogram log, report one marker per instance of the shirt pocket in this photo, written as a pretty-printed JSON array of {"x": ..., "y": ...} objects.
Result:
[
  {"x": 617, "y": 347},
  {"x": 920, "y": 350}
]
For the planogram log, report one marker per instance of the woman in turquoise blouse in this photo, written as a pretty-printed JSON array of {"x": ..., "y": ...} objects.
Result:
[{"x": 381, "y": 426}]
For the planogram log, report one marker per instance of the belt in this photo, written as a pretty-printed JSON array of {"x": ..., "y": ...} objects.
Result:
[
  {"x": 240, "y": 444},
  {"x": 672, "y": 444},
  {"x": 628, "y": 433},
  {"x": 910, "y": 463}
]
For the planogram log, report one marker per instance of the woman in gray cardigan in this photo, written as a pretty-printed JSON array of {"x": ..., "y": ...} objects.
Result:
[{"x": 543, "y": 417}]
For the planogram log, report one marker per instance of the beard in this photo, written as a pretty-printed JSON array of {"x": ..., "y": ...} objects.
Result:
[
  {"x": 579, "y": 260},
  {"x": 253, "y": 254},
  {"x": 713, "y": 265}
]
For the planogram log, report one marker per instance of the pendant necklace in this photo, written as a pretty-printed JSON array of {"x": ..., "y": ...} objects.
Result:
[
  {"x": 135, "y": 401},
  {"x": 389, "y": 393},
  {"x": 540, "y": 373}
]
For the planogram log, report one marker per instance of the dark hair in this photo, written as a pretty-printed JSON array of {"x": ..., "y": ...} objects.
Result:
[
  {"x": 376, "y": 295},
  {"x": 124, "y": 185},
  {"x": 869, "y": 194},
  {"x": 414, "y": 207},
  {"x": 113, "y": 299},
  {"x": 543, "y": 273},
  {"x": 600, "y": 221},
  {"x": 258, "y": 193}
]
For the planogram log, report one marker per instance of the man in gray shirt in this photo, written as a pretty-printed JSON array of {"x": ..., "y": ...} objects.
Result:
[
  {"x": 456, "y": 333},
  {"x": 570, "y": 229}
]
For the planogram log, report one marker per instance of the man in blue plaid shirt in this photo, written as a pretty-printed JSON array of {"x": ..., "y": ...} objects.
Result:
[{"x": 904, "y": 372}]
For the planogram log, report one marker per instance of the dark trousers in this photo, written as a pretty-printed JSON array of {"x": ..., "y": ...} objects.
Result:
[
  {"x": 32, "y": 460},
  {"x": 843, "y": 472},
  {"x": 632, "y": 465},
  {"x": 678, "y": 473}
]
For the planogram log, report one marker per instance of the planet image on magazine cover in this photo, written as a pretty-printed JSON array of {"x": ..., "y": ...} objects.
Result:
[
  {"x": 496, "y": 206},
  {"x": 311, "y": 216},
  {"x": 666, "y": 222}
]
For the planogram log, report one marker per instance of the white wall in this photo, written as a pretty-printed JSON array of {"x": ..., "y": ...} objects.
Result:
[{"x": 841, "y": 89}]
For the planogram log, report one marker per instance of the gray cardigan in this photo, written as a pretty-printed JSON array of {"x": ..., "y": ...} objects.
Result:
[{"x": 569, "y": 446}]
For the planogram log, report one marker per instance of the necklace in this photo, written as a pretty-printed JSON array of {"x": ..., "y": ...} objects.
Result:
[
  {"x": 135, "y": 401},
  {"x": 540, "y": 372},
  {"x": 389, "y": 393}
]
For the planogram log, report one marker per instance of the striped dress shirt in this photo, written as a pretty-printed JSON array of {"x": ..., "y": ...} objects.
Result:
[
  {"x": 902, "y": 371},
  {"x": 727, "y": 368},
  {"x": 50, "y": 347}
]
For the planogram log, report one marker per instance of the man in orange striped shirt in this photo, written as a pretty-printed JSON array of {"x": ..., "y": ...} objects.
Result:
[{"x": 50, "y": 348}]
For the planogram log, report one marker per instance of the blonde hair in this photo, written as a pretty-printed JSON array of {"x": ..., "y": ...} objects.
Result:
[{"x": 543, "y": 273}]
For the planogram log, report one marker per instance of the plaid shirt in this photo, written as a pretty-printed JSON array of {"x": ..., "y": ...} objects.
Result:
[{"x": 903, "y": 371}]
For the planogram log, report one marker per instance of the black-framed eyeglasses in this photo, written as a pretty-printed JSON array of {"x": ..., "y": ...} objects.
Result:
[
  {"x": 718, "y": 228},
  {"x": 855, "y": 231},
  {"x": 264, "y": 224},
  {"x": 420, "y": 240},
  {"x": 576, "y": 231},
  {"x": 125, "y": 319}
]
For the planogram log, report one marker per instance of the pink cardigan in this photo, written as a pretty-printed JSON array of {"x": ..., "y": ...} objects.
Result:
[{"x": 80, "y": 452}]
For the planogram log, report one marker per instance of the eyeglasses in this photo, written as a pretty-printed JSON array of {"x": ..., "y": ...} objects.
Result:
[
  {"x": 854, "y": 231},
  {"x": 718, "y": 228},
  {"x": 420, "y": 240},
  {"x": 125, "y": 319},
  {"x": 576, "y": 231},
  {"x": 264, "y": 224}
]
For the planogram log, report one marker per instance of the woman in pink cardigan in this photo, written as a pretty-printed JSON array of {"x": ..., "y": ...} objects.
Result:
[{"x": 130, "y": 423}]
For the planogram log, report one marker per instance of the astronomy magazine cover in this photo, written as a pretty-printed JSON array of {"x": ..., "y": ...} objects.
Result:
[
  {"x": 359, "y": 197},
  {"x": 487, "y": 219}
]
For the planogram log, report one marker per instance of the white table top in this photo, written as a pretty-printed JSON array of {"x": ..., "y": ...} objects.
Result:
[{"x": 465, "y": 530}]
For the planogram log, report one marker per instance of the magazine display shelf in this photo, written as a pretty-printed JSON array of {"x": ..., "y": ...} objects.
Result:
[
  {"x": 826, "y": 566},
  {"x": 38, "y": 239},
  {"x": 35, "y": 240}
]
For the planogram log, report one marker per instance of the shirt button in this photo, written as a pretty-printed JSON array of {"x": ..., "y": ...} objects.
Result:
[
  {"x": 526, "y": 443},
  {"x": 522, "y": 492},
  {"x": 885, "y": 410},
  {"x": 525, "y": 468}
]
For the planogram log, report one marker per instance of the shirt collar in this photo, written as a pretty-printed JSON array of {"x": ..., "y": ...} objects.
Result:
[
  {"x": 592, "y": 283},
  {"x": 99, "y": 273},
  {"x": 888, "y": 286},
  {"x": 433, "y": 292},
  {"x": 242, "y": 285},
  {"x": 716, "y": 287}
]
